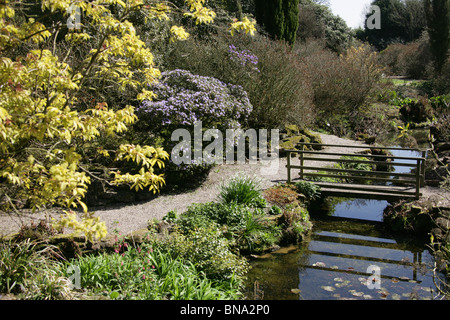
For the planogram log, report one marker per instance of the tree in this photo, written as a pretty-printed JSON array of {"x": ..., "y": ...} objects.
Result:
[
  {"x": 317, "y": 21},
  {"x": 52, "y": 139},
  {"x": 438, "y": 20},
  {"x": 401, "y": 21},
  {"x": 291, "y": 11},
  {"x": 279, "y": 17}
]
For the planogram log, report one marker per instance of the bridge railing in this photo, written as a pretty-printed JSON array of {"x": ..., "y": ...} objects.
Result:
[{"x": 380, "y": 178}]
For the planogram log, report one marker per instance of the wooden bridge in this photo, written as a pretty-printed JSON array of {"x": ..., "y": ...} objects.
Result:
[{"x": 343, "y": 180}]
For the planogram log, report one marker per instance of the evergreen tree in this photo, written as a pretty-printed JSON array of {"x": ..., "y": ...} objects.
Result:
[
  {"x": 291, "y": 12},
  {"x": 401, "y": 21},
  {"x": 279, "y": 18},
  {"x": 438, "y": 16}
]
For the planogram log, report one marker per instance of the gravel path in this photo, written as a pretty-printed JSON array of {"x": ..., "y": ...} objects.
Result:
[{"x": 134, "y": 217}]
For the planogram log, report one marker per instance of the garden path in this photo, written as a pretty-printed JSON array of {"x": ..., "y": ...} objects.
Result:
[{"x": 128, "y": 218}]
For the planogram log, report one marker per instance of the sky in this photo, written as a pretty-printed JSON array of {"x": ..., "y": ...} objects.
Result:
[{"x": 350, "y": 10}]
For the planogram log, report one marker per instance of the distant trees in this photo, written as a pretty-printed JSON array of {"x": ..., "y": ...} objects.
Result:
[
  {"x": 279, "y": 17},
  {"x": 438, "y": 15},
  {"x": 401, "y": 21},
  {"x": 317, "y": 21}
]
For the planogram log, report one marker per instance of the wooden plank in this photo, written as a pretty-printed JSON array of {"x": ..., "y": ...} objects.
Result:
[
  {"x": 401, "y": 164},
  {"x": 375, "y": 173},
  {"x": 367, "y": 195},
  {"x": 307, "y": 174},
  {"x": 359, "y": 147},
  {"x": 360, "y": 155},
  {"x": 368, "y": 188},
  {"x": 357, "y": 190}
]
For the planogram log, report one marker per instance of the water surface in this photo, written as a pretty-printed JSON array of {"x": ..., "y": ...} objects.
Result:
[{"x": 349, "y": 255}]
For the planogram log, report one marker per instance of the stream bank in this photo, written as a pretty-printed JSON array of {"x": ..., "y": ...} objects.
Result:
[
  {"x": 357, "y": 250},
  {"x": 337, "y": 260}
]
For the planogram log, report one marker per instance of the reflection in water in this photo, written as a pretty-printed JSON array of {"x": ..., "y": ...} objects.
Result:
[
  {"x": 338, "y": 259},
  {"x": 334, "y": 264}
]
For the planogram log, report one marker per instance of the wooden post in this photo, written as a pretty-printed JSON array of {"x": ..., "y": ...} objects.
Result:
[
  {"x": 301, "y": 161},
  {"x": 422, "y": 169},
  {"x": 418, "y": 171},
  {"x": 289, "y": 166}
]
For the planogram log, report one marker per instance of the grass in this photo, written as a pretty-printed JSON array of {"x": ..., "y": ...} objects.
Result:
[
  {"x": 143, "y": 273},
  {"x": 200, "y": 258},
  {"x": 242, "y": 189}
]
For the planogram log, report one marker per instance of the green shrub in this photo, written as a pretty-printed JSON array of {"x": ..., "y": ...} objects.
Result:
[
  {"x": 209, "y": 249},
  {"x": 259, "y": 235},
  {"x": 278, "y": 88},
  {"x": 353, "y": 166},
  {"x": 247, "y": 228},
  {"x": 416, "y": 110},
  {"x": 296, "y": 223},
  {"x": 147, "y": 273},
  {"x": 274, "y": 210},
  {"x": 243, "y": 190},
  {"x": 201, "y": 215},
  {"x": 27, "y": 269},
  {"x": 309, "y": 189}
]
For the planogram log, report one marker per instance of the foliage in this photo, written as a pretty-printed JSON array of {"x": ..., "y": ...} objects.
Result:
[
  {"x": 281, "y": 195},
  {"x": 296, "y": 223},
  {"x": 411, "y": 59},
  {"x": 248, "y": 228},
  {"x": 438, "y": 15},
  {"x": 26, "y": 268},
  {"x": 317, "y": 21},
  {"x": 184, "y": 98},
  {"x": 309, "y": 189},
  {"x": 354, "y": 166},
  {"x": 279, "y": 17},
  {"x": 53, "y": 114},
  {"x": 274, "y": 210},
  {"x": 278, "y": 85},
  {"x": 146, "y": 273},
  {"x": 259, "y": 235},
  {"x": 232, "y": 215},
  {"x": 243, "y": 190},
  {"x": 209, "y": 249},
  {"x": 342, "y": 85},
  {"x": 402, "y": 21},
  {"x": 416, "y": 110}
]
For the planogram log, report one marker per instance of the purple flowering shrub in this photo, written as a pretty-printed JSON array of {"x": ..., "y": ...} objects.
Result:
[
  {"x": 243, "y": 58},
  {"x": 184, "y": 98}
]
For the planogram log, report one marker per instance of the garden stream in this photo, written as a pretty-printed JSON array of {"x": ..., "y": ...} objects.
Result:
[{"x": 349, "y": 255}]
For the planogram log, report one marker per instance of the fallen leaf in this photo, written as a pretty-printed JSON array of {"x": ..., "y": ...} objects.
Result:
[
  {"x": 396, "y": 296},
  {"x": 328, "y": 288},
  {"x": 319, "y": 264},
  {"x": 426, "y": 289},
  {"x": 356, "y": 293},
  {"x": 383, "y": 294}
]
